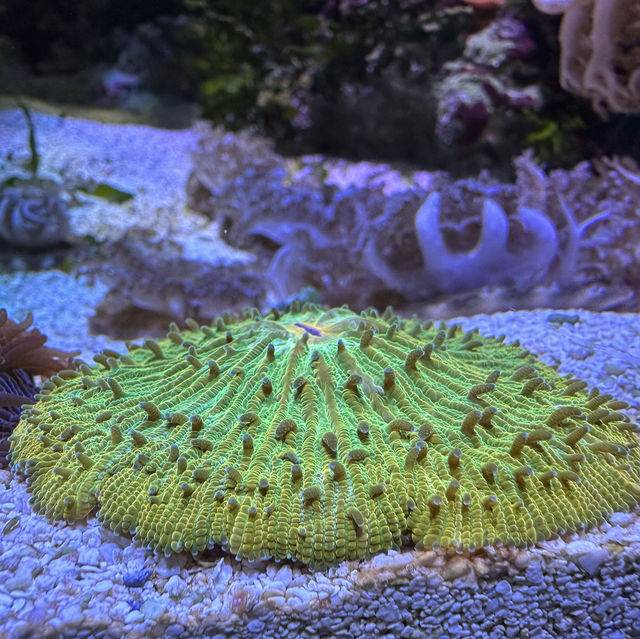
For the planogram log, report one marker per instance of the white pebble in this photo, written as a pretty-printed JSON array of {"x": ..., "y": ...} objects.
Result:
[
  {"x": 296, "y": 603},
  {"x": 225, "y": 575},
  {"x": 277, "y": 601},
  {"x": 10, "y": 560},
  {"x": 296, "y": 591},
  {"x": 153, "y": 608},
  {"x": 621, "y": 519},
  {"x": 284, "y": 576},
  {"x": 579, "y": 547},
  {"x": 20, "y": 581},
  {"x": 5, "y": 600},
  {"x": 133, "y": 617},
  {"x": 120, "y": 610},
  {"x": 175, "y": 586},
  {"x": 63, "y": 568},
  {"x": 18, "y": 605},
  {"x": 72, "y": 614},
  {"x": 110, "y": 552},
  {"x": 89, "y": 557},
  {"x": 46, "y": 581},
  {"x": 39, "y": 613},
  {"x": 91, "y": 538},
  {"x": 590, "y": 562},
  {"x": 272, "y": 591},
  {"x": 167, "y": 567},
  {"x": 105, "y": 585}
]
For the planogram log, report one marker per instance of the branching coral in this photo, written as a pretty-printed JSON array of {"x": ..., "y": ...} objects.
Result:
[
  {"x": 22, "y": 355},
  {"x": 323, "y": 435},
  {"x": 490, "y": 261}
]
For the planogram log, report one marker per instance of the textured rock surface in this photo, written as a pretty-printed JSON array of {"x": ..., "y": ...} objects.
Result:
[
  {"x": 564, "y": 239},
  {"x": 599, "y": 57},
  {"x": 254, "y": 227}
]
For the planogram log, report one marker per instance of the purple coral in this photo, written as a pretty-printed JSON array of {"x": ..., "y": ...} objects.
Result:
[
  {"x": 484, "y": 80},
  {"x": 490, "y": 261},
  {"x": 312, "y": 223}
]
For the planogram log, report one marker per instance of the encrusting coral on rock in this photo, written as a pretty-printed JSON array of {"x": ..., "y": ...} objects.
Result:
[
  {"x": 22, "y": 355},
  {"x": 321, "y": 435},
  {"x": 152, "y": 282},
  {"x": 484, "y": 86}
]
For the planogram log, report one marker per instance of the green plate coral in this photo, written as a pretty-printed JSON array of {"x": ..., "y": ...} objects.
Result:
[{"x": 323, "y": 435}]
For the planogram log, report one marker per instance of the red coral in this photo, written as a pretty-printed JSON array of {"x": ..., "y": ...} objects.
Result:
[
  {"x": 24, "y": 349},
  {"x": 22, "y": 355}
]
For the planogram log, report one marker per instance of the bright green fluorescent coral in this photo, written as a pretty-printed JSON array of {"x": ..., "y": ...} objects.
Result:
[{"x": 323, "y": 435}]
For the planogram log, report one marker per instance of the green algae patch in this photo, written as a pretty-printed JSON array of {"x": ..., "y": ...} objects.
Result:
[{"x": 322, "y": 435}]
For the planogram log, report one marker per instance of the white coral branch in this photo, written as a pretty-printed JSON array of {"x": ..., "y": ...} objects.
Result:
[
  {"x": 568, "y": 263},
  {"x": 490, "y": 261}
]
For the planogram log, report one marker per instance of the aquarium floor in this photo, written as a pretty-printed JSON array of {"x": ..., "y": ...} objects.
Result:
[{"x": 81, "y": 580}]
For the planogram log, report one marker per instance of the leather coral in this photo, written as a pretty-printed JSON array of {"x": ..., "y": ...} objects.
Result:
[{"x": 600, "y": 51}]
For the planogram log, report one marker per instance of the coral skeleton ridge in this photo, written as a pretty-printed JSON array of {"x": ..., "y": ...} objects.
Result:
[
  {"x": 322, "y": 435},
  {"x": 599, "y": 58}
]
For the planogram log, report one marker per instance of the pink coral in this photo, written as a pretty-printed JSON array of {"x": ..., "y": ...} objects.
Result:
[{"x": 600, "y": 51}]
